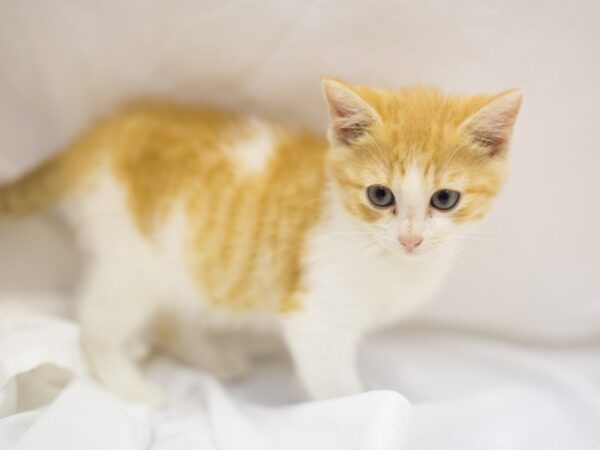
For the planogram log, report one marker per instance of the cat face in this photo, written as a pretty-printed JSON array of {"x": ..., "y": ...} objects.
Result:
[{"x": 415, "y": 168}]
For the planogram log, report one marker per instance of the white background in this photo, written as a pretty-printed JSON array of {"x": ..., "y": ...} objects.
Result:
[
  {"x": 533, "y": 276},
  {"x": 63, "y": 62}
]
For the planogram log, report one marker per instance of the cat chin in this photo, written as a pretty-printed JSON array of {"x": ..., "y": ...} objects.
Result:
[
  {"x": 415, "y": 255},
  {"x": 401, "y": 253},
  {"x": 418, "y": 254}
]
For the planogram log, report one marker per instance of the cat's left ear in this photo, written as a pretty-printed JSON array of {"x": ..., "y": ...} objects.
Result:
[
  {"x": 491, "y": 127},
  {"x": 350, "y": 116}
]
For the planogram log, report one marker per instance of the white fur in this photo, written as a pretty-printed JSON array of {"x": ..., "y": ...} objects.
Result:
[
  {"x": 129, "y": 281},
  {"x": 117, "y": 297},
  {"x": 356, "y": 281},
  {"x": 252, "y": 154},
  {"x": 355, "y": 284}
]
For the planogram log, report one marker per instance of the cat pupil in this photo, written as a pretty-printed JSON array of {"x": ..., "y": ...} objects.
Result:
[
  {"x": 443, "y": 196},
  {"x": 380, "y": 196},
  {"x": 445, "y": 199}
]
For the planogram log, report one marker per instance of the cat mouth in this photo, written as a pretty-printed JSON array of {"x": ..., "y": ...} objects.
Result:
[
  {"x": 412, "y": 253},
  {"x": 417, "y": 252}
]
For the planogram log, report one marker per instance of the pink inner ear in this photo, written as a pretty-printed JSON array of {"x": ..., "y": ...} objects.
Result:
[
  {"x": 347, "y": 131},
  {"x": 491, "y": 127},
  {"x": 495, "y": 142},
  {"x": 350, "y": 115}
]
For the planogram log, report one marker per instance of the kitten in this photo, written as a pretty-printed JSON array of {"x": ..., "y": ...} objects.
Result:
[{"x": 198, "y": 222}]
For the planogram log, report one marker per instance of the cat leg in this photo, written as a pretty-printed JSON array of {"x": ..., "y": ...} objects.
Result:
[
  {"x": 324, "y": 354},
  {"x": 261, "y": 345},
  {"x": 113, "y": 312},
  {"x": 219, "y": 354}
]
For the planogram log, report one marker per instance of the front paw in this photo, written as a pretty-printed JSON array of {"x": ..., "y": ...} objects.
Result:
[{"x": 229, "y": 365}]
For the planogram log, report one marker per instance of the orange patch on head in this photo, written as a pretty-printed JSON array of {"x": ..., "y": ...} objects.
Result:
[
  {"x": 457, "y": 142},
  {"x": 249, "y": 218}
]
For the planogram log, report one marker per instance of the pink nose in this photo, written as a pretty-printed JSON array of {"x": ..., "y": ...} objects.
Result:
[{"x": 411, "y": 242}]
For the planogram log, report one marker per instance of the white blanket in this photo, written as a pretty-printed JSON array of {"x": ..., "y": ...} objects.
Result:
[
  {"x": 467, "y": 391},
  {"x": 506, "y": 357}
]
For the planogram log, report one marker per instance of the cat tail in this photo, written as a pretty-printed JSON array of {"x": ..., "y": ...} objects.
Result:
[{"x": 38, "y": 189}]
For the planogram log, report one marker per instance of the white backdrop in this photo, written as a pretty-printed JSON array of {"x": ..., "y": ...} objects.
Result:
[
  {"x": 507, "y": 356},
  {"x": 63, "y": 62}
]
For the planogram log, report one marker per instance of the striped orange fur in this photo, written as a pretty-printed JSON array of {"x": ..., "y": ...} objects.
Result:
[
  {"x": 247, "y": 231},
  {"x": 238, "y": 221}
]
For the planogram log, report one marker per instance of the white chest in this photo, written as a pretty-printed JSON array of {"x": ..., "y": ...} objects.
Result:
[{"x": 352, "y": 281}]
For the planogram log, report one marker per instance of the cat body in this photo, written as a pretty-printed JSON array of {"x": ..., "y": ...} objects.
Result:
[{"x": 200, "y": 226}]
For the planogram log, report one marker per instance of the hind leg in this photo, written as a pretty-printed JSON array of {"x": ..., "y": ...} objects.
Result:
[
  {"x": 115, "y": 308},
  {"x": 218, "y": 353}
]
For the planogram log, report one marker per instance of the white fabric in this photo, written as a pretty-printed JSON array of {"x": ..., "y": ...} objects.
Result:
[
  {"x": 202, "y": 414},
  {"x": 468, "y": 392},
  {"x": 507, "y": 356}
]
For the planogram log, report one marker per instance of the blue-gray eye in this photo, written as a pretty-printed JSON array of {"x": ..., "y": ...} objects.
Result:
[
  {"x": 380, "y": 196},
  {"x": 445, "y": 199}
]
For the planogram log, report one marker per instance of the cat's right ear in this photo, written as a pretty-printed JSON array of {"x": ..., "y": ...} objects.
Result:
[
  {"x": 350, "y": 116},
  {"x": 491, "y": 127}
]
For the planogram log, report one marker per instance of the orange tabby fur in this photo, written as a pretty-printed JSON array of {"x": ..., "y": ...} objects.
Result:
[
  {"x": 421, "y": 126},
  {"x": 265, "y": 212},
  {"x": 248, "y": 230}
]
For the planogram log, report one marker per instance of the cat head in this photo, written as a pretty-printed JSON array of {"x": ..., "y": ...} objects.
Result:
[{"x": 414, "y": 167}]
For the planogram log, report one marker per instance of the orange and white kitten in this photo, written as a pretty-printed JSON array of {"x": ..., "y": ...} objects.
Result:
[{"x": 198, "y": 222}]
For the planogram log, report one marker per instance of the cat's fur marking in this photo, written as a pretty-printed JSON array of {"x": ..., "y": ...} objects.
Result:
[{"x": 198, "y": 221}]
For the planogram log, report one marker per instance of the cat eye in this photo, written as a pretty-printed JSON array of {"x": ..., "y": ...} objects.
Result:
[
  {"x": 445, "y": 199},
  {"x": 380, "y": 196}
]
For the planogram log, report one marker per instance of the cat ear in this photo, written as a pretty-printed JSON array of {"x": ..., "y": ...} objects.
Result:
[
  {"x": 350, "y": 116},
  {"x": 491, "y": 127}
]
